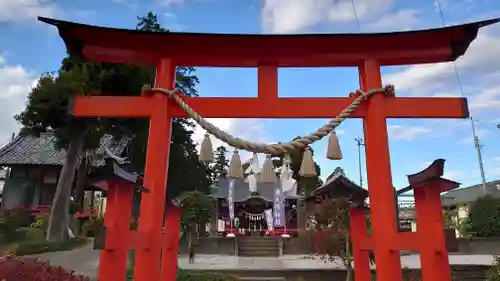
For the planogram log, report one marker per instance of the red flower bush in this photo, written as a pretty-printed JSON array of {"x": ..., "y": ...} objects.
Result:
[{"x": 14, "y": 268}]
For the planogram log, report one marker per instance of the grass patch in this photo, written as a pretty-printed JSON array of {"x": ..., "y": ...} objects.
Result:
[
  {"x": 188, "y": 275},
  {"x": 32, "y": 241}
]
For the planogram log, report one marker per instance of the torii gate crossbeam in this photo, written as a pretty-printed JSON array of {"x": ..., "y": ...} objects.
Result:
[{"x": 368, "y": 52}]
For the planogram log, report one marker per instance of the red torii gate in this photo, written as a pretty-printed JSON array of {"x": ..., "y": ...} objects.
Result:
[{"x": 368, "y": 52}]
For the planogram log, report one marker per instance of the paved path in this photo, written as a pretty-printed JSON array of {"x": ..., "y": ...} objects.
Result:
[{"x": 85, "y": 261}]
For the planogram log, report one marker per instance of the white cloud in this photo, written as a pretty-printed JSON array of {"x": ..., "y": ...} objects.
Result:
[
  {"x": 15, "y": 84},
  {"x": 469, "y": 140},
  {"x": 452, "y": 175},
  {"x": 288, "y": 16},
  {"x": 405, "y": 19},
  {"x": 22, "y": 10},
  {"x": 127, "y": 3},
  {"x": 478, "y": 71},
  {"x": 169, "y": 2},
  {"x": 406, "y": 133}
]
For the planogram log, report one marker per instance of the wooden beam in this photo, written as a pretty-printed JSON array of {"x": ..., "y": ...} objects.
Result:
[
  {"x": 111, "y": 106},
  {"x": 420, "y": 107},
  {"x": 267, "y": 77},
  {"x": 260, "y": 108},
  {"x": 216, "y": 107},
  {"x": 219, "y": 107}
]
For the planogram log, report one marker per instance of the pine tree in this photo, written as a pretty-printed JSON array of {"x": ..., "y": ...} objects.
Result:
[{"x": 221, "y": 163}]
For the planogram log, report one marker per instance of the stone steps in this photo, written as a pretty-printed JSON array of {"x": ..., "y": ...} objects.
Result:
[{"x": 258, "y": 246}]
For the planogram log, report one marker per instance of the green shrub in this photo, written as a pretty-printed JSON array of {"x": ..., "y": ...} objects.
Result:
[
  {"x": 91, "y": 227},
  {"x": 493, "y": 273},
  {"x": 484, "y": 217},
  {"x": 41, "y": 222},
  {"x": 8, "y": 228},
  {"x": 31, "y": 247},
  {"x": 187, "y": 275},
  {"x": 33, "y": 234}
]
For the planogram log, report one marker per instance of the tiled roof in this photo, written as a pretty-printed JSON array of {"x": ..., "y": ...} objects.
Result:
[
  {"x": 470, "y": 194},
  {"x": 31, "y": 150}
]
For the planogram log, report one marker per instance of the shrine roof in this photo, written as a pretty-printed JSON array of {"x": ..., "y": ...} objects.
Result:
[
  {"x": 32, "y": 150},
  {"x": 338, "y": 185},
  {"x": 242, "y": 191},
  {"x": 249, "y": 50}
]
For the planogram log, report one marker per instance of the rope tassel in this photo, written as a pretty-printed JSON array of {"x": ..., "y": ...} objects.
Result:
[
  {"x": 235, "y": 168},
  {"x": 268, "y": 175},
  {"x": 333, "y": 152},
  {"x": 206, "y": 152},
  {"x": 307, "y": 167}
]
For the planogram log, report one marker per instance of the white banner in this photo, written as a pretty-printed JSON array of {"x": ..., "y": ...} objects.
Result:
[
  {"x": 269, "y": 219},
  {"x": 230, "y": 204},
  {"x": 279, "y": 207}
]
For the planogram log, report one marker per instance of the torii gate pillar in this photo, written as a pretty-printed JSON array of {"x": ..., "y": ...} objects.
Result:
[
  {"x": 427, "y": 187},
  {"x": 378, "y": 168},
  {"x": 368, "y": 52}
]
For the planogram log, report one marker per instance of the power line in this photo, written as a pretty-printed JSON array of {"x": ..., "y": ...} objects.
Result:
[
  {"x": 355, "y": 15},
  {"x": 359, "y": 143},
  {"x": 461, "y": 88}
]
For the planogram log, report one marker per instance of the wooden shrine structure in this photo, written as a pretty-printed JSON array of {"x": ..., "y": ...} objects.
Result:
[
  {"x": 156, "y": 252},
  {"x": 430, "y": 240}
]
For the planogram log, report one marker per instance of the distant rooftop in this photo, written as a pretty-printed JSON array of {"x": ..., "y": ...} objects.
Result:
[
  {"x": 470, "y": 194},
  {"x": 32, "y": 150}
]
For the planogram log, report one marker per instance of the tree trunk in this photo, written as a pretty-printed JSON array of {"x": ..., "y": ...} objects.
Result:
[
  {"x": 81, "y": 183},
  {"x": 349, "y": 276},
  {"x": 348, "y": 259},
  {"x": 59, "y": 211}
]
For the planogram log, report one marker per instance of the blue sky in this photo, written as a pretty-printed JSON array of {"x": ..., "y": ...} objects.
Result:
[{"x": 28, "y": 48}]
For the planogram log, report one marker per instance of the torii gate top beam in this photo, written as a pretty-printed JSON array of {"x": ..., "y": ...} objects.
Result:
[{"x": 239, "y": 50}]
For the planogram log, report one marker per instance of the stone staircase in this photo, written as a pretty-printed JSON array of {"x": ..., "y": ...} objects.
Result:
[{"x": 258, "y": 246}]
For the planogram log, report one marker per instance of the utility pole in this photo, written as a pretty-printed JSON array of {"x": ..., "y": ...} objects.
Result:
[
  {"x": 479, "y": 155},
  {"x": 359, "y": 143}
]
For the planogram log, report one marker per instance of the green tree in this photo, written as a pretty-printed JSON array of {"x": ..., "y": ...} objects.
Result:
[
  {"x": 196, "y": 212},
  {"x": 484, "y": 217},
  {"x": 450, "y": 219},
  {"x": 47, "y": 108},
  {"x": 332, "y": 218},
  {"x": 339, "y": 170},
  {"x": 221, "y": 163}
]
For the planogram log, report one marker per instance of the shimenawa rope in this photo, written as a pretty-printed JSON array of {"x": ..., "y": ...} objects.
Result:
[{"x": 277, "y": 148}]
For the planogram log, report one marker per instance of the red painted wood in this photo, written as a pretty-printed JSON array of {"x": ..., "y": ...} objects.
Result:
[
  {"x": 147, "y": 267},
  {"x": 430, "y": 227},
  {"x": 378, "y": 166},
  {"x": 269, "y": 52},
  {"x": 171, "y": 241},
  {"x": 397, "y": 48},
  {"x": 358, "y": 234},
  {"x": 113, "y": 259},
  {"x": 394, "y": 107}
]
